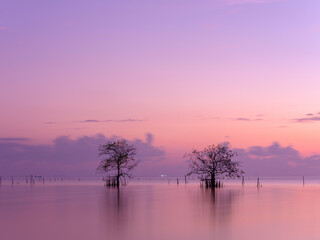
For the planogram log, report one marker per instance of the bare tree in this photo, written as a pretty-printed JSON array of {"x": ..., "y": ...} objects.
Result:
[
  {"x": 118, "y": 159},
  {"x": 214, "y": 161}
]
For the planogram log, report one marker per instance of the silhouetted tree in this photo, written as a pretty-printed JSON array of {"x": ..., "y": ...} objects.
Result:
[
  {"x": 117, "y": 159},
  {"x": 214, "y": 161}
]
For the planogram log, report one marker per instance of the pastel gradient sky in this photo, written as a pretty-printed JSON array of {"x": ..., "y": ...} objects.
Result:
[{"x": 191, "y": 73}]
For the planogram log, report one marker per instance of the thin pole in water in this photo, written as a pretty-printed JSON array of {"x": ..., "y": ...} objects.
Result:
[
  {"x": 303, "y": 180},
  {"x": 258, "y": 182},
  {"x": 12, "y": 180},
  {"x": 242, "y": 181},
  {"x": 177, "y": 181},
  {"x": 185, "y": 179}
]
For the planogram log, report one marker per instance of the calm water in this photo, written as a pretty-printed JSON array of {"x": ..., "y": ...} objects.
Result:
[{"x": 159, "y": 211}]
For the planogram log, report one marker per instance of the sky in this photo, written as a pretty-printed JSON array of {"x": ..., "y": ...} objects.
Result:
[{"x": 187, "y": 73}]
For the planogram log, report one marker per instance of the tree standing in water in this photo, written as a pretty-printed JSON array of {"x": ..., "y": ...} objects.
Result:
[
  {"x": 214, "y": 161},
  {"x": 118, "y": 159}
]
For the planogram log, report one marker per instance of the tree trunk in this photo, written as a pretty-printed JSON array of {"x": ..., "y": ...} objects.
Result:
[
  {"x": 118, "y": 177},
  {"x": 118, "y": 181},
  {"x": 213, "y": 180}
]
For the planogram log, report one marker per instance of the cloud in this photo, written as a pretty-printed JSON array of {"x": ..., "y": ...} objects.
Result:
[
  {"x": 242, "y": 119},
  {"x": 310, "y": 117},
  {"x": 204, "y": 117},
  {"x": 277, "y": 161},
  {"x": 149, "y": 138},
  {"x": 146, "y": 151},
  {"x": 109, "y": 120},
  {"x": 307, "y": 119},
  {"x": 273, "y": 161},
  {"x": 129, "y": 120},
  {"x": 247, "y": 119},
  {"x": 94, "y": 121},
  {"x": 79, "y": 157},
  {"x": 14, "y": 139},
  {"x": 69, "y": 157},
  {"x": 49, "y": 123}
]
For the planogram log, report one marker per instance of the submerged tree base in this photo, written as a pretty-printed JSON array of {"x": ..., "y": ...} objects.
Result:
[
  {"x": 211, "y": 184},
  {"x": 113, "y": 182}
]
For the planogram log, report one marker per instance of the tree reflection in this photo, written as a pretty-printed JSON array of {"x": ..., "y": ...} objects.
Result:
[
  {"x": 156, "y": 211},
  {"x": 216, "y": 205},
  {"x": 115, "y": 207}
]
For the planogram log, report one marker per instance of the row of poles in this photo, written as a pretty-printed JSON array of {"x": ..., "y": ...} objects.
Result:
[
  {"x": 260, "y": 185},
  {"x": 185, "y": 180},
  {"x": 220, "y": 184},
  {"x": 32, "y": 180}
]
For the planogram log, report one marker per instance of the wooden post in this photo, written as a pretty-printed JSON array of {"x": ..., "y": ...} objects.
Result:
[
  {"x": 303, "y": 180},
  {"x": 177, "y": 181},
  {"x": 185, "y": 179},
  {"x": 12, "y": 180},
  {"x": 258, "y": 183},
  {"x": 242, "y": 181}
]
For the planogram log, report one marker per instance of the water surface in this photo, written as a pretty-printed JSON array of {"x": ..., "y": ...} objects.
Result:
[{"x": 150, "y": 210}]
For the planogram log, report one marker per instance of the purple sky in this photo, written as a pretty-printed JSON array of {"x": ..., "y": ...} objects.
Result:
[{"x": 191, "y": 73}]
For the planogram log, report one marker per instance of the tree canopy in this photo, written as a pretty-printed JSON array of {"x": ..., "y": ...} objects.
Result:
[
  {"x": 213, "y": 162},
  {"x": 118, "y": 159}
]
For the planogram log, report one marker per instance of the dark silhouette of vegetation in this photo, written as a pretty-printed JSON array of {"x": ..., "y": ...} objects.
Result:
[
  {"x": 214, "y": 162},
  {"x": 118, "y": 159}
]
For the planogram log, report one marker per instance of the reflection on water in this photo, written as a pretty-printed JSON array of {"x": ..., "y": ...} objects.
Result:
[
  {"x": 158, "y": 211},
  {"x": 162, "y": 212}
]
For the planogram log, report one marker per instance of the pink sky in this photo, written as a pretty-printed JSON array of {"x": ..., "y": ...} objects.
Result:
[{"x": 191, "y": 73}]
